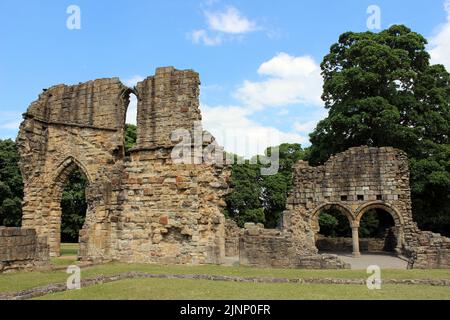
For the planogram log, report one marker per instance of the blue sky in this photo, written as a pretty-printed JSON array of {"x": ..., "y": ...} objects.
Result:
[{"x": 258, "y": 60}]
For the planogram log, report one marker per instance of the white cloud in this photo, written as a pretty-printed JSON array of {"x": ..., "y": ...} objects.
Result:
[
  {"x": 290, "y": 80},
  {"x": 227, "y": 25},
  {"x": 440, "y": 42},
  {"x": 131, "y": 82},
  {"x": 201, "y": 36},
  {"x": 10, "y": 125},
  {"x": 229, "y": 21},
  {"x": 237, "y": 133},
  {"x": 305, "y": 127}
]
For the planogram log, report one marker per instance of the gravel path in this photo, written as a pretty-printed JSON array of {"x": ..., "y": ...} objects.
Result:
[{"x": 384, "y": 261}]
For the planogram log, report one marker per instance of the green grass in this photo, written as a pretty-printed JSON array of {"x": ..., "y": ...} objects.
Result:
[
  {"x": 26, "y": 280},
  {"x": 69, "y": 253},
  {"x": 69, "y": 249},
  {"x": 166, "y": 289}
]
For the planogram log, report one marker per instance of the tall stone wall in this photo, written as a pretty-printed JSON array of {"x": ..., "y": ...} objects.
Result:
[
  {"x": 21, "y": 249},
  {"x": 71, "y": 127},
  {"x": 145, "y": 207}
]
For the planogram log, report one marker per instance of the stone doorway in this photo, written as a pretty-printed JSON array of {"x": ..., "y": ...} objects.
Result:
[
  {"x": 73, "y": 211},
  {"x": 71, "y": 173}
]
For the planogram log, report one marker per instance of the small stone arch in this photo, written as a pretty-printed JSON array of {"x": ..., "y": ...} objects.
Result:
[
  {"x": 395, "y": 214},
  {"x": 336, "y": 205},
  {"x": 380, "y": 205}
]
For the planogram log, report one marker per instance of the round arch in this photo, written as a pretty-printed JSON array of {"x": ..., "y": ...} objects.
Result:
[
  {"x": 396, "y": 216},
  {"x": 334, "y": 205}
]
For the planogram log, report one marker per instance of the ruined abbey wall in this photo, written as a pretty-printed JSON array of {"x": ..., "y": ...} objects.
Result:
[
  {"x": 142, "y": 207},
  {"x": 354, "y": 182}
]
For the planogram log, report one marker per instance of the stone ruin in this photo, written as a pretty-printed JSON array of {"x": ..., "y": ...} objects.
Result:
[
  {"x": 142, "y": 207},
  {"x": 146, "y": 207},
  {"x": 353, "y": 182}
]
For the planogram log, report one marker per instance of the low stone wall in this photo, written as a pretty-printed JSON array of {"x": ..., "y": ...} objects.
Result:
[
  {"x": 342, "y": 244},
  {"x": 21, "y": 249},
  {"x": 232, "y": 234},
  {"x": 433, "y": 252},
  {"x": 259, "y": 247}
]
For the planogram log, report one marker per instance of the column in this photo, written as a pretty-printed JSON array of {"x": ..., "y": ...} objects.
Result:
[{"x": 355, "y": 238}]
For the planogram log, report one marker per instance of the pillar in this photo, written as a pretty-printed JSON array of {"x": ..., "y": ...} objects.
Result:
[{"x": 355, "y": 239}]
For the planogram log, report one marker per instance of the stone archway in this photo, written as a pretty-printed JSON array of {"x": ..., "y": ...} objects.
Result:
[
  {"x": 334, "y": 205},
  {"x": 393, "y": 212},
  {"x": 56, "y": 188},
  {"x": 348, "y": 212}
]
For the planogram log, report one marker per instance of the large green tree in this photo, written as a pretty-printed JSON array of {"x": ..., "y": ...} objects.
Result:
[
  {"x": 381, "y": 90},
  {"x": 11, "y": 185},
  {"x": 262, "y": 198}
]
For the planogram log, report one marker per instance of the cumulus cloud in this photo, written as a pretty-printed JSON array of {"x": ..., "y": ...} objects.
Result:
[
  {"x": 440, "y": 42},
  {"x": 201, "y": 37},
  {"x": 229, "y": 21},
  {"x": 9, "y": 124},
  {"x": 233, "y": 129},
  {"x": 305, "y": 127},
  {"x": 222, "y": 25},
  {"x": 288, "y": 80},
  {"x": 131, "y": 82}
]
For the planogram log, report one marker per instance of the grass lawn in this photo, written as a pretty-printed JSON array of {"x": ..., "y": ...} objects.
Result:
[
  {"x": 201, "y": 289},
  {"x": 69, "y": 255},
  {"x": 166, "y": 289}
]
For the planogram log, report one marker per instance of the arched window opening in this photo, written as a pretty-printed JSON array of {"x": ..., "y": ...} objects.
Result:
[{"x": 130, "y": 132}]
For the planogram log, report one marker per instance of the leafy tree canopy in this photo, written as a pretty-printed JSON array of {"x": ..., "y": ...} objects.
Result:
[{"x": 381, "y": 90}]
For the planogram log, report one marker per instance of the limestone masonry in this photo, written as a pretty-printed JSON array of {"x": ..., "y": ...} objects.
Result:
[
  {"x": 147, "y": 207},
  {"x": 141, "y": 208}
]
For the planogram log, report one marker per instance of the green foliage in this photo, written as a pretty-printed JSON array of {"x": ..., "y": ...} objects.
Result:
[
  {"x": 333, "y": 223},
  {"x": 73, "y": 206},
  {"x": 11, "y": 185},
  {"x": 257, "y": 198},
  {"x": 381, "y": 90},
  {"x": 130, "y": 136},
  {"x": 328, "y": 224}
]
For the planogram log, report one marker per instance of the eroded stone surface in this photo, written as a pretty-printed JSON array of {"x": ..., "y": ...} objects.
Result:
[{"x": 141, "y": 208}]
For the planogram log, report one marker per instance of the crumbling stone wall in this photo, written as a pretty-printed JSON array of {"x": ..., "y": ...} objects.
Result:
[
  {"x": 342, "y": 244},
  {"x": 21, "y": 249},
  {"x": 71, "y": 127},
  {"x": 232, "y": 235},
  {"x": 261, "y": 247},
  {"x": 354, "y": 182},
  {"x": 142, "y": 208}
]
